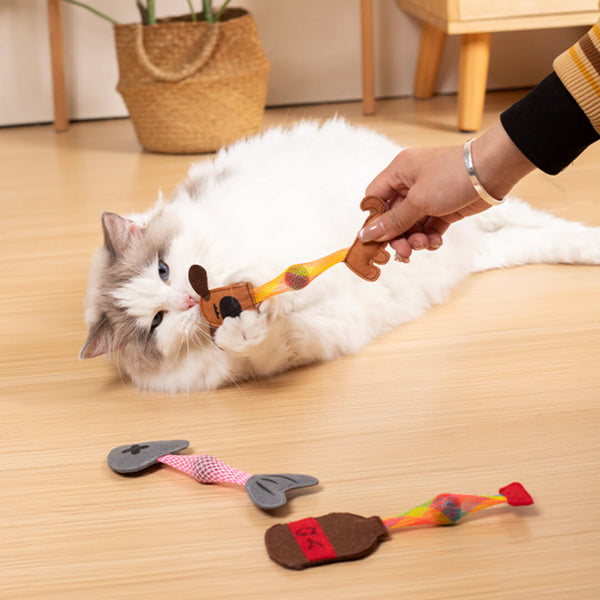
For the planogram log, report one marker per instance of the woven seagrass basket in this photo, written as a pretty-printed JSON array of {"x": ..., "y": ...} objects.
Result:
[{"x": 192, "y": 87}]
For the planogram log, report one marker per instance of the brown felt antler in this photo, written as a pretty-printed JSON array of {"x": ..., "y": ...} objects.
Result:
[{"x": 363, "y": 256}]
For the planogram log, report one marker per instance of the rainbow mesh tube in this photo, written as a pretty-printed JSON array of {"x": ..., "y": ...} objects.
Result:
[
  {"x": 447, "y": 509},
  {"x": 298, "y": 276}
]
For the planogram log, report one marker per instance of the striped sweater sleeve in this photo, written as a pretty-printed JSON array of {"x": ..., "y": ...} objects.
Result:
[
  {"x": 579, "y": 70},
  {"x": 555, "y": 122}
]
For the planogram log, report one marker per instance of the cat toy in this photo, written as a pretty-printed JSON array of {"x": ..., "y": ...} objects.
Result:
[
  {"x": 266, "y": 491},
  {"x": 345, "y": 536},
  {"x": 229, "y": 301}
]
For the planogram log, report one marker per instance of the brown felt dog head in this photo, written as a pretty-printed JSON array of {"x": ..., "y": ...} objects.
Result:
[{"x": 218, "y": 303}]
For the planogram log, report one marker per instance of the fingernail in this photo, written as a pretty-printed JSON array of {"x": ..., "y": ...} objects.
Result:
[
  {"x": 401, "y": 259},
  {"x": 372, "y": 232},
  {"x": 435, "y": 244}
]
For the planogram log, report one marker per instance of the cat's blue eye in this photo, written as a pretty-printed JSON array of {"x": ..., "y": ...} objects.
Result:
[
  {"x": 158, "y": 317},
  {"x": 163, "y": 270}
]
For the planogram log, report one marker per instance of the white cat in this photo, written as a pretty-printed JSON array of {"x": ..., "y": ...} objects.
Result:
[{"x": 278, "y": 199}]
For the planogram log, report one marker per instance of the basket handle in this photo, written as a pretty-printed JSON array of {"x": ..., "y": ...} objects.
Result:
[{"x": 184, "y": 72}]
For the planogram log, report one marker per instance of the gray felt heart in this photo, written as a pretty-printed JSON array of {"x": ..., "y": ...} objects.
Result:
[
  {"x": 268, "y": 491},
  {"x": 137, "y": 457}
]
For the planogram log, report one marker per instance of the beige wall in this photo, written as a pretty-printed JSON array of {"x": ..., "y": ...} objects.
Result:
[{"x": 313, "y": 46}]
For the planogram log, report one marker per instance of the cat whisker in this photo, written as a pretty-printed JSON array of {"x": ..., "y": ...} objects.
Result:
[
  {"x": 118, "y": 367},
  {"x": 200, "y": 337},
  {"x": 189, "y": 366}
]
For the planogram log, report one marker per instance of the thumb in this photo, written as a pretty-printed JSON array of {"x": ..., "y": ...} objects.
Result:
[{"x": 392, "y": 223}]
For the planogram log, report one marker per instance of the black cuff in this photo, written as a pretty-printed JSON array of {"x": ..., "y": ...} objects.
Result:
[{"x": 548, "y": 126}]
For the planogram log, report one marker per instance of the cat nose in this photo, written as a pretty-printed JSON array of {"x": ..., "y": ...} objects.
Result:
[{"x": 188, "y": 302}]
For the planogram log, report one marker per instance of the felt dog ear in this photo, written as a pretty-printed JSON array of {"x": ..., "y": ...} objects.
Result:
[
  {"x": 100, "y": 340},
  {"x": 118, "y": 232},
  {"x": 199, "y": 281}
]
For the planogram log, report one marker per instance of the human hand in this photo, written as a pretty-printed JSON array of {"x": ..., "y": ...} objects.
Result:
[{"x": 428, "y": 189}]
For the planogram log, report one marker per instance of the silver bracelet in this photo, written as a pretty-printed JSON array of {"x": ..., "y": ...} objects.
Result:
[{"x": 481, "y": 191}]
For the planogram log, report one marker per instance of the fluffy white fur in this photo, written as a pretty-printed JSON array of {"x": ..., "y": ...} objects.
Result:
[{"x": 287, "y": 197}]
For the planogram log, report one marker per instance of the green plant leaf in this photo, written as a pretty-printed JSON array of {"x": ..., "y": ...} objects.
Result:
[
  {"x": 143, "y": 12},
  {"x": 192, "y": 11},
  {"x": 151, "y": 12},
  {"x": 93, "y": 10},
  {"x": 221, "y": 10},
  {"x": 207, "y": 13}
]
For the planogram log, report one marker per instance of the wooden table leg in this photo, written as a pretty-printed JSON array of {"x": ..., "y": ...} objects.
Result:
[
  {"x": 368, "y": 68},
  {"x": 472, "y": 79},
  {"x": 431, "y": 48},
  {"x": 61, "y": 120}
]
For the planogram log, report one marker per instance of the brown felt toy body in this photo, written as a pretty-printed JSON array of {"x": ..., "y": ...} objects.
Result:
[
  {"x": 228, "y": 301},
  {"x": 331, "y": 538}
]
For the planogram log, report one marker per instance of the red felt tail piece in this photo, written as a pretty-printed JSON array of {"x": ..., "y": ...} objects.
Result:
[{"x": 516, "y": 494}]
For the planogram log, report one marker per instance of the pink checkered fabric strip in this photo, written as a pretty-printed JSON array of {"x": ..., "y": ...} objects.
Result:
[{"x": 205, "y": 468}]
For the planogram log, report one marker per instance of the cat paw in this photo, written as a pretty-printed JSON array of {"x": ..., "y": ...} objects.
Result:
[
  {"x": 591, "y": 253},
  {"x": 239, "y": 334},
  {"x": 583, "y": 248}
]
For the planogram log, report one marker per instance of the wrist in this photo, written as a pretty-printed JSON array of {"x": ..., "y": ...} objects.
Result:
[
  {"x": 499, "y": 163},
  {"x": 474, "y": 179}
]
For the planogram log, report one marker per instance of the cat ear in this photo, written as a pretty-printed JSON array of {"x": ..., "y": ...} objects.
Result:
[
  {"x": 118, "y": 232},
  {"x": 100, "y": 340}
]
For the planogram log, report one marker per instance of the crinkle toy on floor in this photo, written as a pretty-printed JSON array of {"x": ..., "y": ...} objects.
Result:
[
  {"x": 266, "y": 491},
  {"x": 344, "y": 536}
]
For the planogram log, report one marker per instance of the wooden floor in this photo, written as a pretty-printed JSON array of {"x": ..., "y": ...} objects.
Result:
[{"x": 502, "y": 383}]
